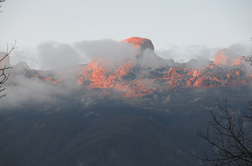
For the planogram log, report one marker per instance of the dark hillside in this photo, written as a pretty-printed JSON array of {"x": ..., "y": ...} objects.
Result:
[{"x": 101, "y": 135}]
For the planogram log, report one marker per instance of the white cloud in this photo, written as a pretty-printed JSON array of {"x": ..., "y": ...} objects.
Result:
[
  {"x": 53, "y": 55},
  {"x": 185, "y": 54},
  {"x": 106, "y": 49},
  {"x": 244, "y": 49}
]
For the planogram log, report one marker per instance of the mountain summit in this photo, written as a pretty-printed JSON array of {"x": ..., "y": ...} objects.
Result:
[{"x": 141, "y": 43}]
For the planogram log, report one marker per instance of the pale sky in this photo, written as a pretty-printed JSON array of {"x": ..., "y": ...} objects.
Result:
[{"x": 210, "y": 23}]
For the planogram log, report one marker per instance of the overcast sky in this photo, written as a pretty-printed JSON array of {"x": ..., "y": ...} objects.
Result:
[{"x": 179, "y": 23}]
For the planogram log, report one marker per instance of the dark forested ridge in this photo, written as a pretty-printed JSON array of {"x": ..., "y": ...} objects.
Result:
[{"x": 110, "y": 132}]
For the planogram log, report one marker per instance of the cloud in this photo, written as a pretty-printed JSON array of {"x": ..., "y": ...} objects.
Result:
[
  {"x": 22, "y": 90},
  {"x": 185, "y": 54},
  {"x": 106, "y": 49},
  {"x": 23, "y": 86},
  {"x": 26, "y": 55},
  {"x": 244, "y": 49},
  {"x": 53, "y": 55}
]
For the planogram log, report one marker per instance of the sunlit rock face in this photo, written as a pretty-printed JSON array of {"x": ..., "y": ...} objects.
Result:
[
  {"x": 139, "y": 73},
  {"x": 145, "y": 56},
  {"x": 124, "y": 77},
  {"x": 141, "y": 43},
  {"x": 227, "y": 57}
]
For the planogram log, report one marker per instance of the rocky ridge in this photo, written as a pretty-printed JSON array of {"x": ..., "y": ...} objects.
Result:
[{"x": 144, "y": 73}]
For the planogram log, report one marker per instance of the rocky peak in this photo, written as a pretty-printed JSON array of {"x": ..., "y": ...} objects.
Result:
[
  {"x": 141, "y": 43},
  {"x": 227, "y": 57}
]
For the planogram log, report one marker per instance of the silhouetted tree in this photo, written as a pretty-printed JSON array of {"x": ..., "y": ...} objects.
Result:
[
  {"x": 3, "y": 75},
  {"x": 248, "y": 59},
  {"x": 230, "y": 142}
]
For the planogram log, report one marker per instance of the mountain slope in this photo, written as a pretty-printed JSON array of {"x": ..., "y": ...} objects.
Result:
[
  {"x": 132, "y": 109},
  {"x": 101, "y": 135}
]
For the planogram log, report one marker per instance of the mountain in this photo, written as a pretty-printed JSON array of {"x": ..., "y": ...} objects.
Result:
[
  {"x": 140, "y": 73},
  {"x": 129, "y": 109}
]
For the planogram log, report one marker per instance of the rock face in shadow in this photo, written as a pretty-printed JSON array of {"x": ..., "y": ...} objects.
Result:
[
  {"x": 112, "y": 133},
  {"x": 108, "y": 135}
]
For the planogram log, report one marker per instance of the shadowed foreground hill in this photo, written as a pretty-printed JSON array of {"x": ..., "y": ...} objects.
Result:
[
  {"x": 110, "y": 132},
  {"x": 102, "y": 135}
]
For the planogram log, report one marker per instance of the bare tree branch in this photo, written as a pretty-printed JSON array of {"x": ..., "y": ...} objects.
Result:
[
  {"x": 248, "y": 59},
  {"x": 3, "y": 75},
  {"x": 230, "y": 145}
]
